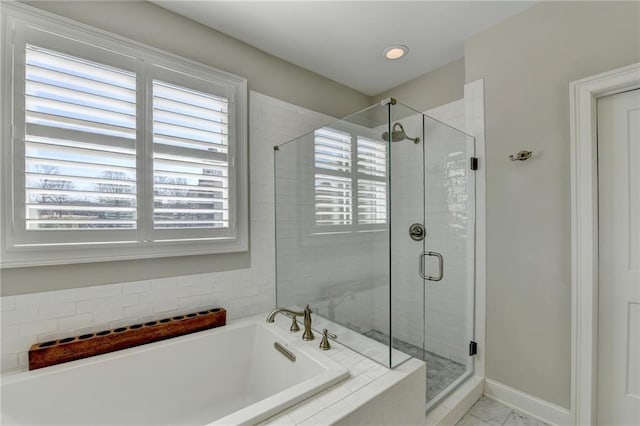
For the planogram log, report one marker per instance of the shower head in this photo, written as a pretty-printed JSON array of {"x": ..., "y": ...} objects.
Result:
[{"x": 398, "y": 135}]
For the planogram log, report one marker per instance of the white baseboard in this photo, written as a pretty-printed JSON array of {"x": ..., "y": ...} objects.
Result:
[{"x": 546, "y": 411}]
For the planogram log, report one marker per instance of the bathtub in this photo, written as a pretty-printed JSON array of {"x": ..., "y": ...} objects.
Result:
[{"x": 231, "y": 375}]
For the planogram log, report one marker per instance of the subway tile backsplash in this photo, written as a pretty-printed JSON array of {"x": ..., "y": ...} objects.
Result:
[
  {"x": 34, "y": 318},
  {"x": 39, "y": 317}
]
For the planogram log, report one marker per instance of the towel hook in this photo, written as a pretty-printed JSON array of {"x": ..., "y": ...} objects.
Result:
[{"x": 521, "y": 156}]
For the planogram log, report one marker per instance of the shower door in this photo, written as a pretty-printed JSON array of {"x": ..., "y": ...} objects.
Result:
[
  {"x": 432, "y": 240},
  {"x": 448, "y": 260}
]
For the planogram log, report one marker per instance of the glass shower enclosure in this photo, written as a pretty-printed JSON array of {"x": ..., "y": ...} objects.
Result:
[{"x": 375, "y": 230}]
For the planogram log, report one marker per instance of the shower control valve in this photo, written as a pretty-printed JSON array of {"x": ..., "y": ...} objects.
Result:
[{"x": 417, "y": 232}]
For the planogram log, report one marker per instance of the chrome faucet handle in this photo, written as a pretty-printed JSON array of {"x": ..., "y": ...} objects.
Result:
[{"x": 324, "y": 343}]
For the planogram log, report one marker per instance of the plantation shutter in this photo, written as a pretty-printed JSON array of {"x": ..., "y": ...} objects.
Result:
[
  {"x": 113, "y": 150},
  {"x": 372, "y": 181},
  {"x": 79, "y": 144},
  {"x": 333, "y": 178},
  {"x": 191, "y": 185}
]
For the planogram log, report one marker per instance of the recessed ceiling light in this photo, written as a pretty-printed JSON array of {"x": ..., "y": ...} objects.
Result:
[{"x": 396, "y": 52}]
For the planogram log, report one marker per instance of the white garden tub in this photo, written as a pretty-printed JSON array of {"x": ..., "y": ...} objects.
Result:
[{"x": 231, "y": 375}]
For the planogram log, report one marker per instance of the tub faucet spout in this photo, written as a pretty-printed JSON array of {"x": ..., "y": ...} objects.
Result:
[{"x": 308, "y": 333}]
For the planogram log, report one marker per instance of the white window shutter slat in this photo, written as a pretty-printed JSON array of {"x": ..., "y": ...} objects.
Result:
[
  {"x": 363, "y": 184},
  {"x": 190, "y": 161},
  {"x": 372, "y": 191},
  {"x": 333, "y": 193},
  {"x": 79, "y": 167}
]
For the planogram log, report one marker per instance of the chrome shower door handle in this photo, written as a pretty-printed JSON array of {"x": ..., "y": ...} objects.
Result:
[{"x": 440, "y": 266}]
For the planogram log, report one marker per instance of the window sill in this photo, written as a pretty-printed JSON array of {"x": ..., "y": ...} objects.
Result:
[{"x": 66, "y": 254}]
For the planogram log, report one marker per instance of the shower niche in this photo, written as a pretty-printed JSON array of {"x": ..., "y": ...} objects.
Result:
[{"x": 351, "y": 198}]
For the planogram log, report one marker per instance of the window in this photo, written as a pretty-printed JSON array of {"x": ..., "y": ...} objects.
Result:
[
  {"x": 348, "y": 196},
  {"x": 190, "y": 162},
  {"x": 79, "y": 144},
  {"x": 372, "y": 181},
  {"x": 333, "y": 180},
  {"x": 116, "y": 151}
]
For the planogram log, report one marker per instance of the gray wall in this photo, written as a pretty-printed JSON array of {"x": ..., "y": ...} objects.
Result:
[
  {"x": 438, "y": 87},
  {"x": 150, "y": 24},
  {"x": 157, "y": 27},
  {"x": 527, "y": 63}
]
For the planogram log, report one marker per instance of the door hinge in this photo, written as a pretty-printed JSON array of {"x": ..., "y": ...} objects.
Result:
[
  {"x": 473, "y": 348},
  {"x": 474, "y": 163}
]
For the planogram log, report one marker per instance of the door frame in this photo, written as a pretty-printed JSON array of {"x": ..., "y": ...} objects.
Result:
[{"x": 584, "y": 232}]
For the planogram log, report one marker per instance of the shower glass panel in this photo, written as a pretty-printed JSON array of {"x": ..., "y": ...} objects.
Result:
[
  {"x": 332, "y": 232},
  {"x": 375, "y": 230},
  {"x": 450, "y": 224}
]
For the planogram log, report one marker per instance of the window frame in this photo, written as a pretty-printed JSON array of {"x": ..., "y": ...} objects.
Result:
[{"x": 21, "y": 24}]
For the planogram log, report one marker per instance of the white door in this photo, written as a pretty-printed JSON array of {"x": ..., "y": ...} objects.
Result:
[{"x": 619, "y": 266}]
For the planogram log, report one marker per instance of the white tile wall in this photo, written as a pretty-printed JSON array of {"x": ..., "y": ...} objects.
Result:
[
  {"x": 35, "y": 318},
  {"x": 397, "y": 405}
]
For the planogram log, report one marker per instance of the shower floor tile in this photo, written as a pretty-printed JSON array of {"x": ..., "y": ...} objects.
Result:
[{"x": 441, "y": 372}]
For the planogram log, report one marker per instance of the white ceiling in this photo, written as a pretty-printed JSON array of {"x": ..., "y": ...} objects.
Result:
[{"x": 344, "y": 41}]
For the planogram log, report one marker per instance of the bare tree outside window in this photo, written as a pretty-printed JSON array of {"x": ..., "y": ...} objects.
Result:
[
  {"x": 51, "y": 194},
  {"x": 117, "y": 187},
  {"x": 52, "y": 184}
]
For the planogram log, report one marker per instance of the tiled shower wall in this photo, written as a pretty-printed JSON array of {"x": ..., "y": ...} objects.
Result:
[{"x": 39, "y": 317}]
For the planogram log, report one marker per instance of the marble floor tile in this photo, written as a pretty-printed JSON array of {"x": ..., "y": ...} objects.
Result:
[
  {"x": 517, "y": 418},
  {"x": 469, "y": 420},
  {"x": 489, "y": 412}
]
